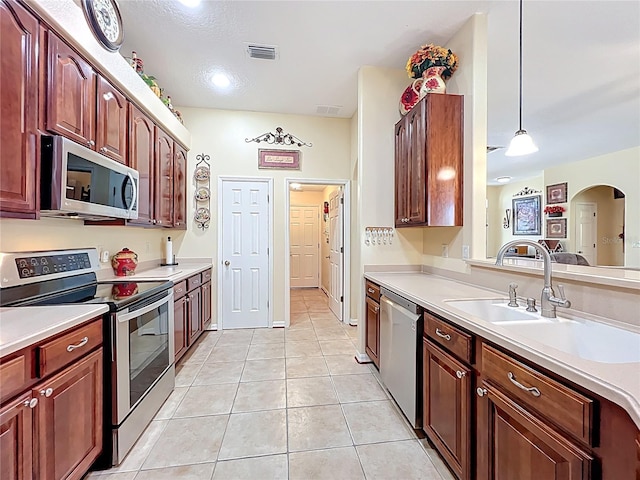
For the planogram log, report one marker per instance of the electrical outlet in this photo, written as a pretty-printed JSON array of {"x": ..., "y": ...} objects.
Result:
[
  {"x": 445, "y": 250},
  {"x": 104, "y": 256},
  {"x": 465, "y": 251}
]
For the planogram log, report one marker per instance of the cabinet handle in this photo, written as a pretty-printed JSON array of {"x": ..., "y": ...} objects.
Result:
[
  {"x": 446, "y": 336},
  {"x": 179, "y": 290},
  {"x": 532, "y": 390},
  {"x": 83, "y": 342},
  {"x": 103, "y": 149},
  {"x": 377, "y": 309},
  {"x": 30, "y": 403},
  {"x": 91, "y": 143},
  {"x": 481, "y": 391},
  {"x": 46, "y": 393},
  {"x": 371, "y": 290},
  {"x": 461, "y": 374},
  {"x": 154, "y": 221}
]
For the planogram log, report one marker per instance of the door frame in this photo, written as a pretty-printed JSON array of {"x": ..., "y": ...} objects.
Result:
[
  {"x": 269, "y": 181},
  {"x": 346, "y": 235},
  {"x": 319, "y": 240}
]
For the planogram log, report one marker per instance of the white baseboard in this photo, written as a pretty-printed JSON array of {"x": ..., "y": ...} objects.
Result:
[
  {"x": 353, "y": 322},
  {"x": 363, "y": 358},
  {"x": 326, "y": 292},
  {"x": 278, "y": 324},
  {"x": 212, "y": 327}
]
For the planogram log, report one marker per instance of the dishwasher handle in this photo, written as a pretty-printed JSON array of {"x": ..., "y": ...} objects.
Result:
[{"x": 400, "y": 301}]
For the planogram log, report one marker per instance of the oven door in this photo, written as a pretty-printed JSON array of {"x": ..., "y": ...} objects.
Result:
[{"x": 144, "y": 351}]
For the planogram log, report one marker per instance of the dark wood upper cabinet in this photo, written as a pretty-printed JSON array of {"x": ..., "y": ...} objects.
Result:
[
  {"x": 19, "y": 143},
  {"x": 163, "y": 179},
  {"x": 111, "y": 122},
  {"x": 429, "y": 163},
  {"x": 71, "y": 93},
  {"x": 141, "y": 158},
  {"x": 179, "y": 187}
]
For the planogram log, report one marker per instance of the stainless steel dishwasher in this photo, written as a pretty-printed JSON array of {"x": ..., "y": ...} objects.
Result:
[{"x": 400, "y": 335}]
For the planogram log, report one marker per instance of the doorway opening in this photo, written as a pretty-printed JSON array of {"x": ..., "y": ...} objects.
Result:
[{"x": 317, "y": 216}]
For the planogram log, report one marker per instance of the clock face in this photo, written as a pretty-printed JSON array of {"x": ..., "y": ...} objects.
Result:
[{"x": 105, "y": 21}]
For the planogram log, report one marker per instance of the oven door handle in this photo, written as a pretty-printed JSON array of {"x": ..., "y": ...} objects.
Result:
[{"x": 125, "y": 317}]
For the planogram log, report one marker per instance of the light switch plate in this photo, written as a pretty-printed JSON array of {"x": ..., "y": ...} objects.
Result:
[{"x": 465, "y": 251}]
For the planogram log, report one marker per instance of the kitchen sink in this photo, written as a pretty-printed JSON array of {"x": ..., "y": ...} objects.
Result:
[
  {"x": 584, "y": 338},
  {"x": 496, "y": 310}
]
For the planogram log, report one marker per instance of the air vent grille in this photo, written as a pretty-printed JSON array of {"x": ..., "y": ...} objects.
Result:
[
  {"x": 331, "y": 110},
  {"x": 262, "y": 52}
]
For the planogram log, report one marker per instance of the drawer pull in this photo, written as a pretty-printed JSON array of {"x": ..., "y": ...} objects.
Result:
[
  {"x": 179, "y": 290},
  {"x": 481, "y": 391},
  {"x": 532, "y": 390},
  {"x": 83, "y": 342},
  {"x": 461, "y": 374},
  {"x": 371, "y": 290},
  {"x": 31, "y": 403},
  {"x": 376, "y": 310},
  {"x": 446, "y": 336},
  {"x": 46, "y": 393}
]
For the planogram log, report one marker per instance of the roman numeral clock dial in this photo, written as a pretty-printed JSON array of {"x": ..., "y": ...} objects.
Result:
[{"x": 105, "y": 21}]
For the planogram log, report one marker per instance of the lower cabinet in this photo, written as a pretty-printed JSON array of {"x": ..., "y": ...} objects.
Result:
[
  {"x": 53, "y": 430},
  {"x": 447, "y": 407},
  {"x": 373, "y": 331},
  {"x": 513, "y": 443},
  {"x": 192, "y": 310}
]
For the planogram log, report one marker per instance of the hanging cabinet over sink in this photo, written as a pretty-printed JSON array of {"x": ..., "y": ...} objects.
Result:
[{"x": 429, "y": 163}]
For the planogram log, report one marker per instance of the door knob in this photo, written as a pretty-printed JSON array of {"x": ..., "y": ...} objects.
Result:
[{"x": 227, "y": 263}]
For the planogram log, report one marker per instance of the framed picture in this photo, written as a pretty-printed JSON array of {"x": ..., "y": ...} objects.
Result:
[
  {"x": 557, "y": 193},
  {"x": 279, "y": 159},
  {"x": 526, "y": 215},
  {"x": 557, "y": 228}
]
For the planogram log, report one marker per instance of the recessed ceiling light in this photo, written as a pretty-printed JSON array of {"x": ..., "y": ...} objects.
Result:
[
  {"x": 221, "y": 80},
  {"x": 190, "y": 3},
  {"x": 503, "y": 179}
]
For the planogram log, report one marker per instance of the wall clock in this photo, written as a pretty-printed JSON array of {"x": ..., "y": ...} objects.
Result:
[{"x": 105, "y": 21}]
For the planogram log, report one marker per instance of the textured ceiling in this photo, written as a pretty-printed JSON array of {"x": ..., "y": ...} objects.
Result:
[{"x": 581, "y": 62}]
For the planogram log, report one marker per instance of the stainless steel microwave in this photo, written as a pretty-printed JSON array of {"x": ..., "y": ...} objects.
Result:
[{"x": 78, "y": 182}]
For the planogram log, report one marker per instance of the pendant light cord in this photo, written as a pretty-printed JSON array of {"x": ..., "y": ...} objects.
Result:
[{"x": 520, "y": 118}]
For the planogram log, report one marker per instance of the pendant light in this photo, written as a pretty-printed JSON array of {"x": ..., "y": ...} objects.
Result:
[{"x": 521, "y": 143}]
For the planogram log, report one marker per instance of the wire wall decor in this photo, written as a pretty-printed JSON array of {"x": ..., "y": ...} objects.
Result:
[
  {"x": 202, "y": 196},
  {"x": 278, "y": 138}
]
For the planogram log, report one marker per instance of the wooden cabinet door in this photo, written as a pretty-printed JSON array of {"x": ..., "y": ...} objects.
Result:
[
  {"x": 180, "y": 326},
  {"x": 111, "y": 122},
  {"x": 195, "y": 314},
  {"x": 71, "y": 93},
  {"x": 179, "y": 187},
  {"x": 141, "y": 158},
  {"x": 163, "y": 205},
  {"x": 401, "y": 160},
  {"x": 16, "y": 439},
  {"x": 444, "y": 137},
  {"x": 416, "y": 166},
  {"x": 373, "y": 331},
  {"x": 19, "y": 120},
  {"x": 447, "y": 407},
  {"x": 206, "y": 305},
  {"x": 515, "y": 444},
  {"x": 69, "y": 419}
]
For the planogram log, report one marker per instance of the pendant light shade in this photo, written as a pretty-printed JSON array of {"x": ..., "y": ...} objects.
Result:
[{"x": 521, "y": 143}]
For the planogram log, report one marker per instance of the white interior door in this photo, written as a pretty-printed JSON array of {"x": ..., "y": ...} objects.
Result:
[
  {"x": 586, "y": 231},
  {"x": 245, "y": 258},
  {"x": 304, "y": 246},
  {"x": 336, "y": 254}
]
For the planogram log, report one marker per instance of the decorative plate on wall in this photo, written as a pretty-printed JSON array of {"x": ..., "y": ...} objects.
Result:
[
  {"x": 202, "y": 194},
  {"x": 201, "y": 173},
  {"x": 103, "y": 16}
]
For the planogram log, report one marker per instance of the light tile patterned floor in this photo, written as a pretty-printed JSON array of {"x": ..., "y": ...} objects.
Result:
[{"x": 279, "y": 404}]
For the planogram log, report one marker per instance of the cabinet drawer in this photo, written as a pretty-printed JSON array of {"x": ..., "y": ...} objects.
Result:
[
  {"x": 206, "y": 276},
  {"x": 373, "y": 291},
  {"x": 552, "y": 400},
  {"x": 14, "y": 374},
  {"x": 453, "y": 339},
  {"x": 70, "y": 346},
  {"x": 193, "y": 282},
  {"x": 179, "y": 290}
]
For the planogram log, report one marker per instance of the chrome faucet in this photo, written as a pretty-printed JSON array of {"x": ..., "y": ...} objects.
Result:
[{"x": 548, "y": 300}]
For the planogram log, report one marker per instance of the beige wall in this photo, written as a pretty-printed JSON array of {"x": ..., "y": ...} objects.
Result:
[
  {"x": 221, "y": 134},
  {"x": 470, "y": 80}
]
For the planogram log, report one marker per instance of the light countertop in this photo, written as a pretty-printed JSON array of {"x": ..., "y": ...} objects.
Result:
[
  {"x": 618, "y": 382},
  {"x": 152, "y": 271},
  {"x": 24, "y": 326}
]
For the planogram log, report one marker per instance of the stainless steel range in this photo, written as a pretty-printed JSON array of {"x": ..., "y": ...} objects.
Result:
[{"x": 138, "y": 331}]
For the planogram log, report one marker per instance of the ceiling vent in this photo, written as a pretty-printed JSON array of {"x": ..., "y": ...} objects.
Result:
[
  {"x": 262, "y": 52},
  {"x": 331, "y": 110}
]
